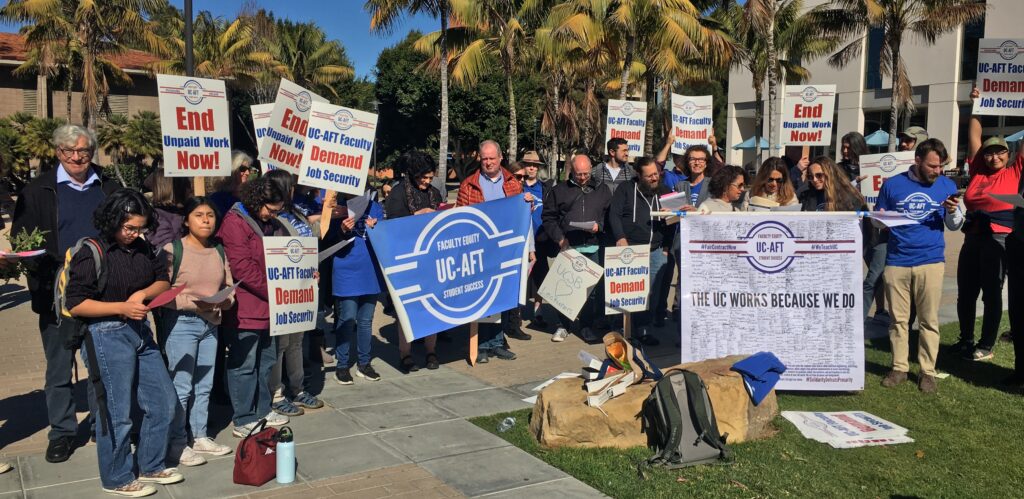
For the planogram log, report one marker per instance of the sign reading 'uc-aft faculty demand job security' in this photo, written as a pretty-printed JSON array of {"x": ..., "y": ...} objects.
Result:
[
  {"x": 194, "y": 124},
  {"x": 1000, "y": 77},
  {"x": 338, "y": 145},
  {"x": 291, "y": 283},
  {"x": 453, "y": 267},
  {"x": 627, "y": 120},
  {"x": 790, "y": 285}
]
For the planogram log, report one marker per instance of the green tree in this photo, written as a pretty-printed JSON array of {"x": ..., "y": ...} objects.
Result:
[
  {"x": 408, "y": 99},
  {"x": 925, "y": 20},
  {"x": 305, "y": 56},
  {"x": 111, "y": 137}
]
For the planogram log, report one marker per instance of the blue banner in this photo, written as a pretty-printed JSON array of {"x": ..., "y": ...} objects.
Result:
[{"x": 452, "y": 267}]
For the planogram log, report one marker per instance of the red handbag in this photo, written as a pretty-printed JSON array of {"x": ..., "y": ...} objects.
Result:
[{"x": 256, "y": 457}]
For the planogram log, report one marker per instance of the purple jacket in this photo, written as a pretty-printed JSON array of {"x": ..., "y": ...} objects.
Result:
[{"x": 243, "y": 246}]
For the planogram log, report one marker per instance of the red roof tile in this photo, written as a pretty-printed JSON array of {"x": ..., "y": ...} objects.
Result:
[{"x": 12, "y": 48}]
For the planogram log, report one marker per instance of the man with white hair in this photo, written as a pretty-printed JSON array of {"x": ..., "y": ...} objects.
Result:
[{"x": 60, "y": 202}]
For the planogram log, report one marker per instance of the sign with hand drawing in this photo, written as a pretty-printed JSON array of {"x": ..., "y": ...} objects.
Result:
[{"x": 569, "y": 282}]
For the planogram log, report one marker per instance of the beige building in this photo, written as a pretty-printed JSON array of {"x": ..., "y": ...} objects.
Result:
[{"x": 942, "y": 75}]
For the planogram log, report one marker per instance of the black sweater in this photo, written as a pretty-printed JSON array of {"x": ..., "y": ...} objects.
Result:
[
  {"x": 568, "y": 202},
  {"x": 629, "y": 217}
]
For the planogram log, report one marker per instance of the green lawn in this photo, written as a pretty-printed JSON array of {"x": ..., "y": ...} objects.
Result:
[{"x": 969, "y": 443}]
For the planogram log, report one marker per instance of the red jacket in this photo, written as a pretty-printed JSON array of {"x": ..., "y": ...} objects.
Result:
[
  {"x": 243, "y": 246},
  {"x": 471, "y": 193}
]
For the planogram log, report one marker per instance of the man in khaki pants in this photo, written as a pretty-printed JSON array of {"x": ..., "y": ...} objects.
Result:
[{"x": 915, "y": 262}]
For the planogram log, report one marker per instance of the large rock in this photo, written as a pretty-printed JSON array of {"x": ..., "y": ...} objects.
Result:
[{"x": 562, "y": 418}]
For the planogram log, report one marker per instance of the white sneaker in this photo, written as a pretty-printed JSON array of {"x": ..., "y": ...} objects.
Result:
[
  {"x": 187, "y": 457},
  {"x": 275, "y": 419},
  {"x": 244, "y": 430},
  {"x": 560, "y": 335},
  {"x": 208, "y": 446}
]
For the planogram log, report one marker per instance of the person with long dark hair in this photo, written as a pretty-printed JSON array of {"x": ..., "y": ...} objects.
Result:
[
  {"x": 120, "y": 347},
  {"x": 829, "y": 189},
  {"x": 772, "y": 185},
  {"x": 725, "y": 189},
  {"x": 852, "y": 147}
]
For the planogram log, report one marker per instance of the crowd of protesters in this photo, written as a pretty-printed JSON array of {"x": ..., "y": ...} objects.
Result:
[{"x": 150, "y": 390}]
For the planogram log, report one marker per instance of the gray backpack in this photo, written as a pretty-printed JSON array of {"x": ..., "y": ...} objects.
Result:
[{"x": 680, "y": 423}]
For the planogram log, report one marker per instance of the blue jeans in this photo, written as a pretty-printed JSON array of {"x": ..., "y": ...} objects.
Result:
[
  {"x": 658, "y": 263},
  {"x": 251, "y": 356},
  {"x": 135, "y": 379},
  {"x": 191, "y": 350},
  {"x": 875, "y": 258},
  {"x": 353, "y": 314}
]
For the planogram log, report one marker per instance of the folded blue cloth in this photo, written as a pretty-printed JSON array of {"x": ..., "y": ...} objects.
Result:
[{"x": 760, "y": 373}]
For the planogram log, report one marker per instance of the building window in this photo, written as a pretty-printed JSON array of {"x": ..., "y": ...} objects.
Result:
[
  {"x": 29, "y": 103},
  {"x": 973, "y": 31},
  {"x": 118, "y": 104},
  {"x": 872, "y": 70}
]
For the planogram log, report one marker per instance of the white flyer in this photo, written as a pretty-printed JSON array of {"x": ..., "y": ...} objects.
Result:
[{"x": 787, "y": 284}]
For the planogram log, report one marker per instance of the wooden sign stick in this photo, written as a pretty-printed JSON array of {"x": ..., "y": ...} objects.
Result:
[
  {"x": 198, "y": 186},
  {"x": 474, "y": 330},
  {"x": 627, "y": 324},
  {"x": 325, "y": 216}
]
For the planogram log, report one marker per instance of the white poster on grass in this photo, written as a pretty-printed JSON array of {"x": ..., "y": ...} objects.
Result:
[
  {"x": 260, "y": 122},
  {"x": 627, "y": 119},
  {"x": 807, "y": 112},
  {"x": 627, "y": 278},
  {"x": 286, "y": 132},
  {"x": 194, "y": 122},
  {"x": 786, "y": 284},
  {"x": 877, "y": 168},
  {"x": 569, "y": 282},
  {"x": 1000, "y": 77},
  {"x": 291, "y": 283},
  {"x": 339, "y": 141},
  {"x": 691, "y": 121}
]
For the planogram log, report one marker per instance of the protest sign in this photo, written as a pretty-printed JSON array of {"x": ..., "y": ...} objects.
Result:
[
  {"x": 286, "y": 132},
  {"x": 194, "y": 122},
  {"x": 1000, "y": 77},
  {"x": 880, "y": 167},
  {"x": 691, "y": 122},
  {"x": 807, "y": 112},
  {"x": 569, "y": 282},
  {"x": 456, "y": 266},
  {"x": 847, "y": 429},
  {"x": 291, "y": 285},
  {"x": 260, "y": 121},
  {"x": 787, "y": 284},
  {"x": 627, "y": 119},
  {"x": 338, "y": 145},
  {"x": 627, "y": 278}
]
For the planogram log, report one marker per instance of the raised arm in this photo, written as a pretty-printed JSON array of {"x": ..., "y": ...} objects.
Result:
[{"x": 973, "y": 129}]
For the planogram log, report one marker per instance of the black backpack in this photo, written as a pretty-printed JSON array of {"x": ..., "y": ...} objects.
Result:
[{"x": 680, "y": 422}]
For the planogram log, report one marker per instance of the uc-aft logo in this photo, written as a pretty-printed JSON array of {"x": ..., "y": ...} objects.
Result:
[{"x": 771, "y": 247}]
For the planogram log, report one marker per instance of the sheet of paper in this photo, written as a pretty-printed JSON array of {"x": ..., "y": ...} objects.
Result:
[
  {"x": 530, "y": 400},
  {"x": 792, "y": 207},
  {"x": 889, "y": 219},
  {"x": 329, "y": 252},
  {"x": 554, "y": 378},
  {"x": 582, "y": 225},
  {"x": 357, "y": 205},
  {"x": 166, "y": 297},
  {"x": 20, "y": 254},
  {"x": 674, "y": 202},
  {"x": 221, "y": 295},
  {"x": 1015, "y": 199}
]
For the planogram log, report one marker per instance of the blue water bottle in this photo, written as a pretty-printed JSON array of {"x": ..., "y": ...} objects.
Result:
[{"x": 285, "y": 455}]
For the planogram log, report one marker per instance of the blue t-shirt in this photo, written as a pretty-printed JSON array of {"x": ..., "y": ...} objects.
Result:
[
  {"x": 537, "y": 190},
  {"x": 921, "y": 243},
  {"x": 695, "y": 192},
  {"x": 671, "y": 177},
  {"x": 355, "y": 265}
]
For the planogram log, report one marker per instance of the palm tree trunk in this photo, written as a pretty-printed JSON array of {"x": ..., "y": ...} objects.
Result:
[
  {"x": 893, "y": 104},
  {"x": 627, "y": 63},
  {"x": 758, "y": 119},
  {"x": 68, "y": 87},
  {"x": 442, "y": 146},
  {"x": 513, "y": 129},
  {"x": 651, "y": 108},
  {"x": 772, "y": 80},
  {"x": 553, "y": 157}
]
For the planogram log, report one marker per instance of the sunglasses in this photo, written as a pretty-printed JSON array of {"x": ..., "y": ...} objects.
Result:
[
  {"x": 819, "y": 176},
  {"x": 773, "y": 180},
  {"x": 519, "y": 176}
]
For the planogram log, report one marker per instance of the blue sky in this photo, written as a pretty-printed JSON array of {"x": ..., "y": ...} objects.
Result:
[{"x": 343, "y": 20}]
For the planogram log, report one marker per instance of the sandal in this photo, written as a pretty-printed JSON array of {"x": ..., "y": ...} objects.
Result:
[
  {"x": 408, "y": 365},
  {"x": 432, "y": 362}
]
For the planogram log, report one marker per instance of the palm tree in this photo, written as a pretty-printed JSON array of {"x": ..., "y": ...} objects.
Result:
[
  {"x": 488, "y": 30},
  {"x": 898, "y": 19},
  {"x": 384, "y": 14},
  {"x": 303, "y": 54},
  {"x": 142, "y": 137},
  {"x": 111, "y": 137}
]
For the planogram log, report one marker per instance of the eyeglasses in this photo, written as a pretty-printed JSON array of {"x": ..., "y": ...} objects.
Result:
[
  {"x": 244, "y": 169},
  {"x": 131, "y": 230},
  {"x": 520, "y": 177},
  {"x": 990, "y": 155},
  {"x": 818, "y": 176},
  {"x": 773, "y": 180},
  {"x": 82, "y": 153},
  {"x": 739, "y": 186},
  {"x": 273, "y": 211},
  {"x": 698, "y": 160}
]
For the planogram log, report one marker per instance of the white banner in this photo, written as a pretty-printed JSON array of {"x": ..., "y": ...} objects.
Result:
[
  {"x": 627, "y": 119},
  {"x": 291, "y": 285},
  {"x": 339, "y": 141},
  {"x": 880, "y": 167},
  {"x": 569, "y": 282},
  {"x": 1000, "y": 77},
  {"x": 286, "y": 132},
  {"x": 691, "y": 121},
  {"x": 260, "y": 122},
  {"x": 195, "y": 125},
  {"x": 807, "y": 112},
  {"x": 786, "y": 284},
  {"x": 627, "y": 278}
]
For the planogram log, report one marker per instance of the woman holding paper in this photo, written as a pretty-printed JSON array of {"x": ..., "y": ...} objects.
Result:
[
  {"x": 829, "y": 189},
  {"x": 189, "y": 332},
  {"x": 982, "y": 264},
  {"x": 772, "y": 186},
  {"x": 120, "y": 347},
  {"x": 414, "y": 195}
]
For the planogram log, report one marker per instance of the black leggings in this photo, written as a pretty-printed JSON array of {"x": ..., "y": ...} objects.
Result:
[{"x": 981, "y": 270}]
